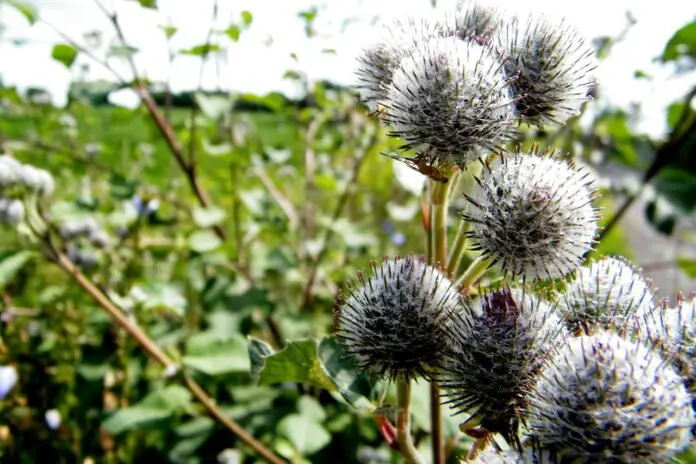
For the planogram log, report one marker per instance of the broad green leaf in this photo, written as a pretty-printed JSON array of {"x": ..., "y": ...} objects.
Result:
[
  {"x": 122, "y": 51},
  {"x": 156, "y": 407},
  {"x": 201, "y": 50},
  {"x": 661, "y": 215},
  {"x": 164, "y": 296},
  {"x": 64, "y": 53},
  {"x": 297, "y": 362},
  {"x": 152, "y": 4},
  {"x": 28, "y": 10},
  {"x": 11, "y": 263},
  {"x": 213, "y": 106},
  {"x": 247, "y": 18},
  {"x": 678, "y": 187},
  {"x": 207, "y": 353},
  {"x": 310, "y": 407},
  {"x": 169, "y": 31},
  {"x": 682, "y": 43},
  {"x": 203, "y": 241},
  {"x": 208, "y": 217},
  {"x": 305, "y": 433},
  {"x": 258, "y": 352},
  {"x": 233, "y": 32}
]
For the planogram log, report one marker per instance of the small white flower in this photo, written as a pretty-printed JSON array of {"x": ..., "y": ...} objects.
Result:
[
  {"x": 394, "y": 322},
  {"x": 552, "y": 62},
  {"x": 171, "y": 370},
  {"x": 11, "y": 211},
  {"x": 8, "y": 379},
  {"x": 605, "y": 395},
  {"x": 52, "y": 418},
  {"x": 533, "y": 214},
  {"x": 450, "y": 99},
  {"x": 229, "y": 456},
  {"x": 608, "y": 293}
]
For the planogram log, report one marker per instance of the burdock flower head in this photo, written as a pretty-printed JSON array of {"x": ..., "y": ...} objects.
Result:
[
  {"x": 673, "y": 330},
  {"x": 393, "y": 323},
  {"x": 498, "y": 344},
  {"x": 511, "y": 456},
  {"x": 533, "y": 214},
  {"x": 378, "y": 61},
  {"x": 553, "y": 63},
  {"x": 610, "y": 292},
  {"x": 604, "y": 398},
  {"x": 448, "y": 100},
  {"x": 476, "y": 21}
]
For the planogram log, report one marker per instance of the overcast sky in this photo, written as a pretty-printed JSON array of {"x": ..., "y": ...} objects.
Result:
[{"x": 258, "y": 61}]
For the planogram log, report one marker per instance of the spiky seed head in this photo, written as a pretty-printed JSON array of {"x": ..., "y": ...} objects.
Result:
[
  {"x": 610, "y": 292},
  {"x": 11, "y": 211},
  {"x": 393, "y": 323},
  {"x": 606, "y": 398},
  {"x": 511, "y": 456},
  {"x": 378, "y": 60},
  {"x": 533, "y": 214},
  {"x": 673, "y": 331},
  {"x": 553, "y": 63},
  {"x": 499, "y": 342},
  {"x": 476, "y": 21},
  {"x": 448, "y": 100}
]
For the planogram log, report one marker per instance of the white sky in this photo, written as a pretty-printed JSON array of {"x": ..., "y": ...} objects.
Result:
[{"x": 257, "y": 63}]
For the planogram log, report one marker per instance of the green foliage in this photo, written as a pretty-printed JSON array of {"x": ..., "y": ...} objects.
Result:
[{"x": 65, "y": 54}]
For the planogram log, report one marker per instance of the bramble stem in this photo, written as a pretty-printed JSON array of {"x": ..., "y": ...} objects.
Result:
[
  {"x": 473, "y": 273},
  {"x": 403, "y": 422}
]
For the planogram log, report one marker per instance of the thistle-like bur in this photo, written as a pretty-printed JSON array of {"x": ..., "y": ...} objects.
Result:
[
  {"x": 511, "y": 456},
  {"x": 673, "y": 331},
  {"x": 604, "y": 398},
  {"x": 449, "y": 99},
  {"x": 393, "y": 323},
  {"x": 533, "y": 214},
  {"x": 610, "y": 292},
  {"x": 553, "y": 64},
  {"x": 498, "y": 344},
  {"x": 476, "y": 21},
  {"x": 378, "y": 61}
]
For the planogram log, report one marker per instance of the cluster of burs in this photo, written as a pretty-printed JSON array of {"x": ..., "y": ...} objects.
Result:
[{"x": 600, "y": 371}]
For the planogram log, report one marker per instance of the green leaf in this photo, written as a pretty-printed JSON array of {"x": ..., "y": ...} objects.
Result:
[
  {"x": 675, "y": 111},
  {"x": 152, "y": 4},
  {"x": 661, "y": 215},
  {"x": 213, "y": 106},
  {"x": 204, "y": 241},
  {"x": 258, "y": 352},
  {"x": 201, "y": 50},
  {"x": 305, "y": 433},
  {"x": 169, "y": 31},
  {"x": 297, "y": 362},
  {"x": 233, "y": 32},
  {"x": 155, "y": 408},
  {"x": 682, "y": 43},
  {"x": 122, "y": 51},
  {"x": 164, "y": 296},
  {"x": 352, "y": 383},
  {"x": 27, "y": 9},
  {"x": 207, "y": 353},
  {"x": 247, "y": 17},
  {"x": 678, "y": 187},
  {"x": 11, "y": 263},
  {"x": 64, "y": 53},
  {"x": 208, "y": 217},
  {"x": 310, "y": 407},
  {"x": 688, "y": 266}
]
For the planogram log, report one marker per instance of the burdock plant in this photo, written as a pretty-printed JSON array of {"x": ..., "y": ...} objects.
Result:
[{"x": 569, "y": 379}]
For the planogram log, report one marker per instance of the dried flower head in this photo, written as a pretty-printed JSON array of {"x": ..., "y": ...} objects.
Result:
[
  {"x": 533, "y": 214},
  {"x": 379, "y": 60},
  {"x": 553, "y": 64},
  {"x": 393, "y": 323},
  {"x": 608, "y": 293},
  {"x": 448, "y": 100},
  {"x": 498, "y": 344},
  {"x": 673, "y": 330},
  {"x": 604, "y": 398}
]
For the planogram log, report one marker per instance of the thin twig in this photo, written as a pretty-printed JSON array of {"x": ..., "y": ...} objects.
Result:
[
  {"x": 280, "y": 199},
  {"x": 403, "y": 422}
]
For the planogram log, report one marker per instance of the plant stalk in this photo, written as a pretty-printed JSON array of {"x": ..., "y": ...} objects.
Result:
[
  {"x": 473, "y": 273},
  {"x": 403, "y": 422}
]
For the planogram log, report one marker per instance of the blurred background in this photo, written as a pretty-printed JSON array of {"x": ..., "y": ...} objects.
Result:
[{"x": 245, "y": 192}]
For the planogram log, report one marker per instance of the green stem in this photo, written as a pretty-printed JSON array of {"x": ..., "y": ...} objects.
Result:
[
  {"x": 458, "y": 247},
  {"x": 403, "y": 422},
  {"x": 473, "y": 273},
  {"x": 438, "y": 222}
]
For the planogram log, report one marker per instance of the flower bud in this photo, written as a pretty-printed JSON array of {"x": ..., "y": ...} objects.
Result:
[
  {"x": 394, "y": 322},
  {"x": 604, "y": 398},
  {"x": 533, "y": 214},
  {"x": 498, "y": 344},
  {"x": 448, "y": 100},
  {"x": 608, "y": 293},
  {"x": 552, "y": 62}
]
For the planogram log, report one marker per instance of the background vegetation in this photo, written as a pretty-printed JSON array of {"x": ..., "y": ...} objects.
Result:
[{"x": 234, "y": 221}]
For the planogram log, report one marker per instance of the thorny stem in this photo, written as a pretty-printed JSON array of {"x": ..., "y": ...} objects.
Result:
[
  {"x": 403, "y": 422},
  {"x": 155, "y": 352}
]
